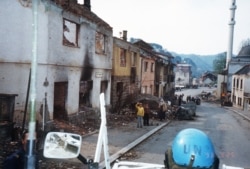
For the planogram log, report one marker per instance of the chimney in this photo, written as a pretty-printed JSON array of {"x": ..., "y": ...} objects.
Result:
[
  {"x": 87, "y": 4},
  {"x": 124, "y": 35}
]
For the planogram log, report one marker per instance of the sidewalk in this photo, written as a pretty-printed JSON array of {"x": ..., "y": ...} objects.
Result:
[
  {"x": 244, "y": 114},
  {"x": 119, "y": 144}
]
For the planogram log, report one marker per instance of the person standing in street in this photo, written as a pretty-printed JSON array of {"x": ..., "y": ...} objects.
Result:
[
  {"x": 146, "y": 115},
  {"x": 162, "y": 110},
  {"x": 140, "y": 114}
]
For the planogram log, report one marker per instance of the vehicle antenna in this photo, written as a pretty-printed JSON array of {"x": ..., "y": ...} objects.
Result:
[{"x": 30, "y": 156}]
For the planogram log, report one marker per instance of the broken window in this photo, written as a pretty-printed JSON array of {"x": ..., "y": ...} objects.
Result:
[
  {"x": 99, "y": 43},
  {"x": 70, "y": 33},
  {"x": 152, "y": 67},
  {"x": 133, "y": 59},
  {"x": 133, "y": 74},
  {"x": 122, "y": 57},
  {"x": 145, "y": 66},
  {"x": 241, "y": 83}
]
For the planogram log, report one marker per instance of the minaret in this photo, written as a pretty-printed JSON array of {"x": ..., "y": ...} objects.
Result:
[{"x": 231, "y": 32}]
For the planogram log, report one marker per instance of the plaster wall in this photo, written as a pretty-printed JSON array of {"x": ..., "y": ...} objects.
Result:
[{"x": 55, "y": 61}]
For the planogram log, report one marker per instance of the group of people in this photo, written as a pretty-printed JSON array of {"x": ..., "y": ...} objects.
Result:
[{"x": 143, "y": 113}]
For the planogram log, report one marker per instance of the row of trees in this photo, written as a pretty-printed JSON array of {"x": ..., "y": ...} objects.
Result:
[{"x": 219, "y": 64}]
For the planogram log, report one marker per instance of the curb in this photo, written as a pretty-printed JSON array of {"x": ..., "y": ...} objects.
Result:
[
  {"x": 89, "y": 134},
  {"x": 118, "y": 154},
  {"x": 242, "y": 115}
]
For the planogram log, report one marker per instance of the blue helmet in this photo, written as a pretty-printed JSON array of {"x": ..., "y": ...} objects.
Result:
[{"x": 192, "y": 147}]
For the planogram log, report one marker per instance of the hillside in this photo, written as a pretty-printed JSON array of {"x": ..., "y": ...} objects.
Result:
[
  {"x": 203, "y": 63},
  {"x": 199, "y": 63}
]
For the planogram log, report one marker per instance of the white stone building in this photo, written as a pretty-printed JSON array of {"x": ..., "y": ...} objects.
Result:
[
  {"x": 183, "y": 75},
  {"x": 240, "y": 88},
  {"x": 236, "y": 63},
  {"x": 74, "y": 55}
]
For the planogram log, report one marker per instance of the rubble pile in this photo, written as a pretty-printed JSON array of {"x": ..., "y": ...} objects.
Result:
[
  {"x": 119, "y": 119},
  {"x": 113, "y": 120}
]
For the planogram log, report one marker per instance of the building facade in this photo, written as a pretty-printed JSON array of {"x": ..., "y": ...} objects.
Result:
[
  {"x": 240, "y": 88},
  {"x": 148, "y": 57},
  {"x": 236, "y": 63},
  {"x": 164, "y": 76},
  {"x": 74, "y": 56},
  {"x": 183, "y": 75},
  {"x": 125, "y": 73}
]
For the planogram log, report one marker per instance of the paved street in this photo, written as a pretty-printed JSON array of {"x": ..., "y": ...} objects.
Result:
[
  {"x": 228, "y": 127},
  {"x": 228, "y": 130}
]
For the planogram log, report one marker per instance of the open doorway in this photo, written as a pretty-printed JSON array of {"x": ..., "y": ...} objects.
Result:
[
  {"x": 85, "y": 93},
  {"x": 60, "y": 97},
  {"x": 104, "y": 86}
]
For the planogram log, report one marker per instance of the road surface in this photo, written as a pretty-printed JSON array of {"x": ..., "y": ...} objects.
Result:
[{"x": 229, "y": 133}]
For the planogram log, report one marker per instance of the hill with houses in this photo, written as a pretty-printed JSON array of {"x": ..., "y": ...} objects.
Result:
[{"x": 200, "y": 63}]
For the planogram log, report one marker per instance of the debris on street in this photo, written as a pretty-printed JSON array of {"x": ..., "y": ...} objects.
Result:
[{"x": 129, "y": 155}]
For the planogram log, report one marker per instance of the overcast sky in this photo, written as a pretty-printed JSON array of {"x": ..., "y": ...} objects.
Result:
[{"x": 182, "y": 26}]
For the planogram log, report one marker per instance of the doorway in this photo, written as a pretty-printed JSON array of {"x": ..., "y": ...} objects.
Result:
[{"x": 60, "y": 97}]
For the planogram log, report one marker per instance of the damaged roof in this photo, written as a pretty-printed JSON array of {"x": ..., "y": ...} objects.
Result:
[{"x": 81, "y": 10}]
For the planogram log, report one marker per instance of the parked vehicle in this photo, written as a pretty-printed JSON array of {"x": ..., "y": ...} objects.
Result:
[
  {"x": 191, "y": 106},
  {"x": 183, "y": 113},
  {"x": 205, "y": 94},
  {"x": 197, "y": 100}
]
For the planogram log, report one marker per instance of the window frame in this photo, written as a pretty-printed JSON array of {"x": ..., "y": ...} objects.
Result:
[
  {"x": 133, "y": 59},
  {"x": 152, "y": 66},
  {"x": 65, "y": 40},
  {"x": 100, "y": 43},
  {"x": 145, "y": 66},
  {"x": 123, "y": 59}
]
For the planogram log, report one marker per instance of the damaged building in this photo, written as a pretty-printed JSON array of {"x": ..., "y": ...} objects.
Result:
[
  {"x": 74, "y": 57},
  {"x": 125, "y": 72}
]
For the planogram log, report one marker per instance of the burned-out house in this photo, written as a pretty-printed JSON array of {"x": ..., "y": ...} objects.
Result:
[
  {"x": 125, "y": 72},
  {"x": 164, "y": 75},
  {"x": 74, "y": 56},
  {"x": 147, "y": 76},
  {"x": 183, "y": 74},
  {"x": 208, "y": 79}
]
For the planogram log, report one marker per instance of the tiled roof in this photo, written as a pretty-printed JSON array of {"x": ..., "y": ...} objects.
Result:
[
  {"x": 244, "y": 52},
  {"x": 243, "y": 70}
]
